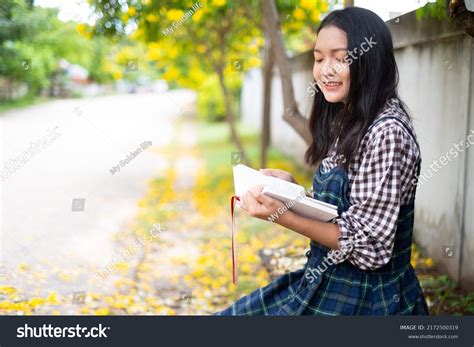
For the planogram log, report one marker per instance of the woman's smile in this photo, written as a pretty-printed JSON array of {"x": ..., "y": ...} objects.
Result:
[{"x": 332, "y": 86}]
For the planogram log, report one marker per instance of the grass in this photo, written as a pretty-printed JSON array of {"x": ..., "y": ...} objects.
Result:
[
  {"x": 25, "y": 101},
  {"x": 444, "y": 295},
  {"x": 214, "y": 142}
]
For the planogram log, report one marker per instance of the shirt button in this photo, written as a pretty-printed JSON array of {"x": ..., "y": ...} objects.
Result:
[
  {"x": 308, "y": 254},
  {"x": 396, "y": 297}
]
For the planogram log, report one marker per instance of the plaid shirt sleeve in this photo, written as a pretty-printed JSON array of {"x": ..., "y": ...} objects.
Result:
[{"x": 367, "y": 228}]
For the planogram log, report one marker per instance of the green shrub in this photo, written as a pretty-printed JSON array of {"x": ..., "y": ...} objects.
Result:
[{"x": 211, "y": 105}]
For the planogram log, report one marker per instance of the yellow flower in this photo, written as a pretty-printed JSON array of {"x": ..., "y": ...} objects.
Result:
[
  {"x": 81, "y": 28},
  {"x": 36, "y": 302},
  {"x": 219, "y": 3},
  {"x": 315, "y": 15},
  {"x": 152, "y": 18},
  {"x": 102, "y": 311},
  {"x": 23, "y": 267},
  {"x": 299, "y": 14},
  {"x": 171, "y": 74},
  {"x": 8, "y": 290},
  {"x": 121, "y": 266},
  {"x": 117, "y": 75},
  {"x": 324, "y": 6},
  {"x": 254, "y": 62},
  {"x": 65, "y": 277},
  {"x": 197, "y": 16},
  {"x": 201, "y": 48},
  {"x": 429, "y": 262},
  {"x": 307, "y": 4},
  {"x": 52, "y": 298},
  {"x": 253, "y": 49},
  {"x": 174, "y": 14},
  {"x": 132, "y": 11},
  {"x": 138, "y": 34},
  {"x": 85, "y": 310}
]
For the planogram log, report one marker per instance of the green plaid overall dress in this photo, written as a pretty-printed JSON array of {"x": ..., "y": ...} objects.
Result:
[{"x": 342, "y": 289}]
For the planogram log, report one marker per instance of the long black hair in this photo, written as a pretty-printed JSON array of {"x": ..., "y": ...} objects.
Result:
[{"x": 373, "y": 80}]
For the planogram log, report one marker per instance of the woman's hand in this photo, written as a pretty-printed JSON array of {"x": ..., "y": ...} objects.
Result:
[
  {"x": 279, "y": 174},
  {"x": 258, "y": 205}
]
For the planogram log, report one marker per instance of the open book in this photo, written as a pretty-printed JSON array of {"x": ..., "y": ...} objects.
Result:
[{"x": 293, "y": 195}]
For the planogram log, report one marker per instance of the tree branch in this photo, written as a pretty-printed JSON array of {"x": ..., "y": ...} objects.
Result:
[{"x": 291, "y": 115}]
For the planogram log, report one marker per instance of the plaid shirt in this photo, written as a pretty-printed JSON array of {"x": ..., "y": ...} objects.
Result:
[{"x": 380, "y": 181}]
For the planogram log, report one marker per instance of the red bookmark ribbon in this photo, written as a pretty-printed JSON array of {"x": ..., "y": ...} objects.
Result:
[{"x": 234, "y": 261}]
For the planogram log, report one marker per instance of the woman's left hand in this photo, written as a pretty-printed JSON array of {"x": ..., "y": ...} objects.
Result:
[{"x": 259, "y": 205}]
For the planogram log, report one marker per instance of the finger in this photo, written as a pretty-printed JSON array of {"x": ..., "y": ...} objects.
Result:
[
  {"x": 284, "y": 175},
  {"x": 246, "y": 200},
  {"x": 243, "y": 202},
  {"x": 271, "y": 172},
  {"x": 251, "y": 202},
  {"x": 262, "y": 198},
  {"x": 274, "y": 171},
  {"x": 257, "y": 188},
  {"x": 265, "y": 171},
  {"x": 255, "y": 191},
  {"x": 259, "y": 196},
  {"x": 242, "y": 205}
]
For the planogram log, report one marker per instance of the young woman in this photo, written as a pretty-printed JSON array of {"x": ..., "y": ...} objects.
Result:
[{"x": 358, "y": 264}]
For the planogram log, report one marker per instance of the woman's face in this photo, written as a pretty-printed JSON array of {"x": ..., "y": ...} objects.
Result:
[{"x": 331, "y": 70}]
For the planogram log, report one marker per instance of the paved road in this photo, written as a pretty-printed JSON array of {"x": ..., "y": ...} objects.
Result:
[{"x": 73, "y": 146}]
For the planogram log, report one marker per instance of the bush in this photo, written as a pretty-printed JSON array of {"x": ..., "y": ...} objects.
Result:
[{"x": 211, "y": 100}]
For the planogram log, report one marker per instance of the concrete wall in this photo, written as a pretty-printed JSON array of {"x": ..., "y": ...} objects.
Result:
[
  {"x": 436, "y": 68},
  {"x": 436, "y": 63}
]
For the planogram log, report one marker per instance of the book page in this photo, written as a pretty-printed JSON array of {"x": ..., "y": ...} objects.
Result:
[{"x": 246, "y": 178}]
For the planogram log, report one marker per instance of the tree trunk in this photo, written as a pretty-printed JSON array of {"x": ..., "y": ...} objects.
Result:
[
  {"x": 242, "y": 158},
  {"x": 267, "y": 94},
  {"x": 459, "y": 11},
  {"x": 272, "y": 28}
]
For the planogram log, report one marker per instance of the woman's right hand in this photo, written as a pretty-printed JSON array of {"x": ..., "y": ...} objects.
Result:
[{"x": 279, "y": 174}]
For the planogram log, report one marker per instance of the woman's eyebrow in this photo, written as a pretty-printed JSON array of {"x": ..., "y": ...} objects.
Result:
[{"x": 332, "y": 50}]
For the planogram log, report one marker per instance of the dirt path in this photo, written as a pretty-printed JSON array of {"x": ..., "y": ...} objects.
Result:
[
  {"x": 62, "y": 208},
  {"x": 173, "y": 256}
]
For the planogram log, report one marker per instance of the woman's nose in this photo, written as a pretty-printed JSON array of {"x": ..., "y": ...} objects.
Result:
[{"x": 327, "y": 69}]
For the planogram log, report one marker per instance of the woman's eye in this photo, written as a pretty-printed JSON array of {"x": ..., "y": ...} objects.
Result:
[{"x": 318, "y": 60}]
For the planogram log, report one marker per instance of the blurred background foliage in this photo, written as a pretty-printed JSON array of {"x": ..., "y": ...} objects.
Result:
[{"x": 218, "y": 36}]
